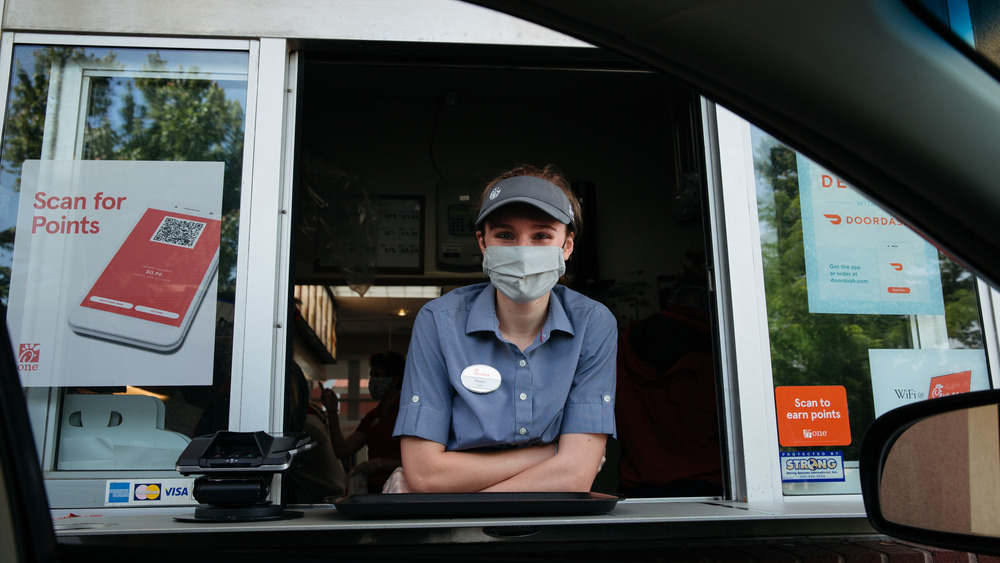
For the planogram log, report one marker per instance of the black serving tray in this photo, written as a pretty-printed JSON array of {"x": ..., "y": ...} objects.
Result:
[{"x": 449, "y": 505}]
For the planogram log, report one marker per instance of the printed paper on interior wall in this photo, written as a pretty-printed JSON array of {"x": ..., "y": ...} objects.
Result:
[
  {"x": 113, "y": 277},
  {"x": 860, "y": 259},
  {"x": 900, "y": 377}
]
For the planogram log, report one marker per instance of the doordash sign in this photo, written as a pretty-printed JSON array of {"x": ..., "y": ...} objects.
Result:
[
  {"x": 812, "y": 416},
  {"x": 860, "y": 259}
]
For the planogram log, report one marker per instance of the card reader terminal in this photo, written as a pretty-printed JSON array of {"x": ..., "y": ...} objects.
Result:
[{"x": 237, "y": 452}]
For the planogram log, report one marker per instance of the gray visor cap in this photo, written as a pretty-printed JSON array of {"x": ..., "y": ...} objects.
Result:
[{"x": 531, "y": 190}]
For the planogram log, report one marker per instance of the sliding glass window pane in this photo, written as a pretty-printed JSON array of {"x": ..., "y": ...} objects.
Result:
[{"x": 119, "y": 210}]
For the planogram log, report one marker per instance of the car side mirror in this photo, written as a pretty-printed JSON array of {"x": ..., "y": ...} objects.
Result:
[{"x": 930, "y": 472}]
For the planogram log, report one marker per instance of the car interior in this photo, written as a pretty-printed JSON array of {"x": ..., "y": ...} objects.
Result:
[{"x": 879, "y": 92}]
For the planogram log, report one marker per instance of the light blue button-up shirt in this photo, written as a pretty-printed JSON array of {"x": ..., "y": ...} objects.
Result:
[{"x": 563, "y": 383}]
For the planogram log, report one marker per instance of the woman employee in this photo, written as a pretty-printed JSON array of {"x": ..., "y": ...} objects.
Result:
[{"x": 509, "y": 385}]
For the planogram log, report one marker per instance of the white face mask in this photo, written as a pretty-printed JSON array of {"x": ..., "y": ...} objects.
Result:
[{"x": 523, "y": 273}]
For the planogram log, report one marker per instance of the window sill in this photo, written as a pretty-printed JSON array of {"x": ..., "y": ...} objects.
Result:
[{"x": 635, "y": 520}]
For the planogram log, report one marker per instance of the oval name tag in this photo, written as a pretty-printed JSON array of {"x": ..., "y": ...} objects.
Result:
[{"x": 481, "y": 378}]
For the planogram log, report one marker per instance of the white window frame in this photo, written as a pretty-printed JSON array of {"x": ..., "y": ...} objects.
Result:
[
  {"x": 259, "y": 334},
  {"x": 748, "y": 393}
]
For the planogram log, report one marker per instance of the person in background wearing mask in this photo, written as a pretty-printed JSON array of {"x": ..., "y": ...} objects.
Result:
[
  {"x": 510, "y": 384},
  {"x": 668, "y": 414},
  {"x": 385, "y": 379}
]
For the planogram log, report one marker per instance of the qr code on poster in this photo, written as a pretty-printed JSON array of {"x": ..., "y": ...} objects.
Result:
[{"x": 178, "y": 232}]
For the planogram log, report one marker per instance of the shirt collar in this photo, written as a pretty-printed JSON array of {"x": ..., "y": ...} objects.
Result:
[
  {"x": 483, "y": 315},
  {"x": 558, "y": 318}
]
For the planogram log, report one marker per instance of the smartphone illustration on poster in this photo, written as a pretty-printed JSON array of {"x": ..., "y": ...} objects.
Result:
[
  {"x": 897, "y": 269},
  {"x": 149, "y": 291}
]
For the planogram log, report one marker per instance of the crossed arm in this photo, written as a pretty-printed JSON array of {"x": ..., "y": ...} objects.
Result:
[{"x": 572, "y": 467}]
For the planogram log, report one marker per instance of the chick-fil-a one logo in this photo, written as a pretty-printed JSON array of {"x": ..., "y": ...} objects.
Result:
[
  {"x": 29, "y": 353},
  {"x": 28, "y": 356}
]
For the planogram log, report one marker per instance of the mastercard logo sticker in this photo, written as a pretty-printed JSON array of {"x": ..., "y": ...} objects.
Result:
[{"x": 147, "y": 492}]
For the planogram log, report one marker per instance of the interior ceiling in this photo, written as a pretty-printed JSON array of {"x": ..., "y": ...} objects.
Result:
[{"x": 375, "y": 315}]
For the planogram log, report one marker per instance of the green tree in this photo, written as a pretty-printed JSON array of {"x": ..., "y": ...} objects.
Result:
[
  {"x": 28, "y": 101},
  {"x": 24, "y": 128},
  {"x": 7, "y": 245},
  {"x": 184, "y": 117}
]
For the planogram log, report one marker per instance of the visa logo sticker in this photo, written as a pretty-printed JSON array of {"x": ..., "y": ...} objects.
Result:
[
  {"x": 176, "y": 492},
  {"x": 798, "y": 467},
  {"x": 144, "y": 493}
]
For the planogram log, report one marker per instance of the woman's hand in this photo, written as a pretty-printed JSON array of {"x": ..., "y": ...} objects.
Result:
[{"x": 396, "y": 483}]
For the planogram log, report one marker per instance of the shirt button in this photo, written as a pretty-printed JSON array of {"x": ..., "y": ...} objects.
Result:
[
  {"x": 522, "y": 363},
  {"x": 522, "y": 431},
  {"x": 524, "y": 396},
  {"x": 607, "y": 398},
  {"x": 416, "y": 399}
]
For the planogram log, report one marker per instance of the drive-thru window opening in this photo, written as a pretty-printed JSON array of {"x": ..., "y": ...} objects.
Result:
[{"x": 380, "y": 122}]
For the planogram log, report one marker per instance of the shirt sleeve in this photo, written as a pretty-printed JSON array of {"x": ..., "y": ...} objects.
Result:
[
  {"x": 590, "y": 407},
  {"x": 425, "y": 401}
]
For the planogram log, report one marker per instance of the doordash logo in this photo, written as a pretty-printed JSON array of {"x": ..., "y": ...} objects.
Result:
[
  {"x": 28, "y": 356},
  {"x": 867, "y": 221}
]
